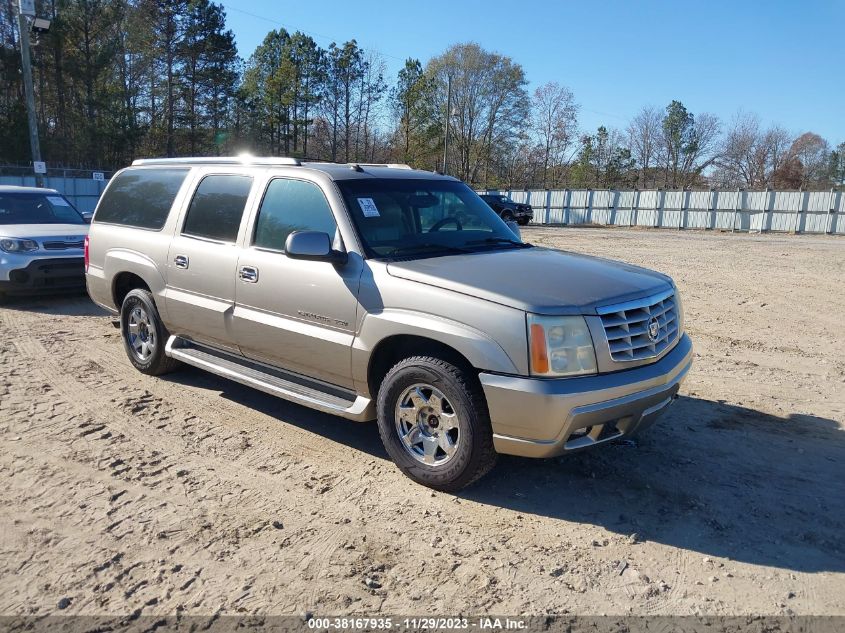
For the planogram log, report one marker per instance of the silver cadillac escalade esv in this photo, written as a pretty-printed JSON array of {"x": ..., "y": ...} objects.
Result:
[{"x": 377, "y": 291}]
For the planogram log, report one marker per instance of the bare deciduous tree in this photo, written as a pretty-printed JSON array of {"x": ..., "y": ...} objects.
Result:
[
  {"x": 555, "y": 123},
  {"x": 645, "y": 141},
  {"x": 751, "y": 156},
  {"x": 813, "y": 154},
  {"x": 489, "y": 106}
]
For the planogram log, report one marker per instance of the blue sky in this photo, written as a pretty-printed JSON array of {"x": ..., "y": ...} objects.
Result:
[{"x": 784, "y": 60}]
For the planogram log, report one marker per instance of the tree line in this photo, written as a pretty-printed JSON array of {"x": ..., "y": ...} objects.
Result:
[{"x": 121, "y": 79}]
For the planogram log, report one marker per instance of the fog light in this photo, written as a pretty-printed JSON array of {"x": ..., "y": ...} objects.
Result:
[{"x": 19, "y": 276}]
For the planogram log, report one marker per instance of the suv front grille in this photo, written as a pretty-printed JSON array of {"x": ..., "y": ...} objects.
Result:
[
  {"x": 63, "y": 245},
  {"x": 627, "y": 326}
]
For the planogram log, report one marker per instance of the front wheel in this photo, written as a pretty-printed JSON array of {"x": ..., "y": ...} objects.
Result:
[
  {"x": 144, "y": 335},
  {"x": 523, "y": 221},
  {"x": 433, "y": 421}
]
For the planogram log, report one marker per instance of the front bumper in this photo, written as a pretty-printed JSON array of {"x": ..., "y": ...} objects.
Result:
[
  {"x": 43, "y": 275},
  {"x": 536, "y": 417}
]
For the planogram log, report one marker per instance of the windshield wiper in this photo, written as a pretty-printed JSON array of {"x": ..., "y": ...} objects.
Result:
[
  {"x": 427, "y": 246},
  {"x": 501, "y": 240}
]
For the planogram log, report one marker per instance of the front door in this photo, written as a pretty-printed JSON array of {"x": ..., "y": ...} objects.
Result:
[
  {"x": 293, "y": 313},
  {"x": 202, "y": 261}
]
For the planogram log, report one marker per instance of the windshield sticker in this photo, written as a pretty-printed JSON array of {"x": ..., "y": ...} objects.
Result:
[
  {"x": 368, "y": 207},
  {"x": 56, "y": 201}
]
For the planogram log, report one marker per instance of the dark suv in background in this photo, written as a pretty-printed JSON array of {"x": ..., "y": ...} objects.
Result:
[{"x": 508, "y": 209}]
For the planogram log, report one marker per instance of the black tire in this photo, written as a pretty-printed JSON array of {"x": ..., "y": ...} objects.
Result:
[
  {"x": 156, "y": 362},
  {"x": 474, "y": 454},
  {"x": 523, "y": 221},
  {"x": 507, "y": 216}
]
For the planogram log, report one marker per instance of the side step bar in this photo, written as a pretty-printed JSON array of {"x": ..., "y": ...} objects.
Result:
[{"x": 275, "y": 382}]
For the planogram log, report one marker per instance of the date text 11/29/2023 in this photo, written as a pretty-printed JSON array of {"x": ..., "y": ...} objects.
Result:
[{"x": 482, "y": 623}]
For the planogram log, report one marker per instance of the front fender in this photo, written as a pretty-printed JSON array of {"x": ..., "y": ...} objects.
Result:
[{"x": 480, "y": 349}]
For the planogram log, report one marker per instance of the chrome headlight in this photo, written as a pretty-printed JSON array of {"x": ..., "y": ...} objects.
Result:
[
  {"x": 560, "y": 346},
  {"x": 11, "y": 245}
]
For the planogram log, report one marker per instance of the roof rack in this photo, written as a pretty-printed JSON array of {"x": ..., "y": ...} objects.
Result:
[
  {"x": 220, "y": 160},
  {"x": 254, "y": 160}
]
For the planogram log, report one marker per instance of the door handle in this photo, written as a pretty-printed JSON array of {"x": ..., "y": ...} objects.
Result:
[
  {"x": 180, "y": 261},
  {"x": 248, "y": 274}
]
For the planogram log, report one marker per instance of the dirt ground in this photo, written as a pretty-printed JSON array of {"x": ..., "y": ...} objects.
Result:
[{"x": 121, "y": 493}]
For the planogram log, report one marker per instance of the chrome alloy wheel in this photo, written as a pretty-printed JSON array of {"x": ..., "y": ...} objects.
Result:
[
  {"x": 427, "y": 425},
  {"x": 141, "y": 334}
]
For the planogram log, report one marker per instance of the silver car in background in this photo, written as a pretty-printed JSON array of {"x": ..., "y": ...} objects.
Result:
[
  {"x": 42, "y": 240},
  {"x": 381, "y": 292}
]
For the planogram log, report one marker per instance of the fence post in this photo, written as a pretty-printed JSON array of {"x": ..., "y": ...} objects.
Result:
[
  {"x": 548, "y": 206},
  {"x": 590, "y": 205},
  {"x": 635, "y": 206},
  {"x": 798, "y": 210},
  {"x": 736, "y": 207},
  {"x": 658, "y": 212},
  {"x": 567, "y": 194},
  {"x": 768, "y": 201},
  {"x": 682, "y": 210},
  {"x": 613, "y": 204},
  {"x": 831, "y": 209},
  {"x": 711, "y": 209}
]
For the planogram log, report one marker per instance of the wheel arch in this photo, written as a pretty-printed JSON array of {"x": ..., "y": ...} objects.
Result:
[
  {"x": 129, "y": 270},
  {"x": 392, "y": 335},
  {"x": 123, "y": 283},
  {"x": 397, "y": 347}
]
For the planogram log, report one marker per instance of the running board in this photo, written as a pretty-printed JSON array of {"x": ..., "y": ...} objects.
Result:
[{"x": 275, "y": 382}]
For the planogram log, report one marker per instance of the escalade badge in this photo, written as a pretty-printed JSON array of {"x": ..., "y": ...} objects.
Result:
[{"x": 653, "y": 329}]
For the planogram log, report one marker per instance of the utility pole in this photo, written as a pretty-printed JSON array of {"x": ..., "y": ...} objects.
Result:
[
  {"x": 448, "y": 117},
  {"x": 23, "y": 24}
]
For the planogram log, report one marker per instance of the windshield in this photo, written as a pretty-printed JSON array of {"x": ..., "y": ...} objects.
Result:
[
  {"x": 422, "y": 218},
  {"x": 37, "y": 208}
]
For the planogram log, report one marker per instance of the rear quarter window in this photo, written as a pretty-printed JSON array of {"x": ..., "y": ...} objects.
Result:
[{"x": 140, "y": 197}]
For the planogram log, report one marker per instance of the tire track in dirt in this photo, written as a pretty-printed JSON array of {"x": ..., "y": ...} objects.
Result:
[
  {"x": 129, "y": 489},
  {"x": 122, "y": 420}
]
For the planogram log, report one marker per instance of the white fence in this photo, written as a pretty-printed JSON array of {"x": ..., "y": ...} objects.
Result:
[
  {"x": 82, "y": 192},
  {"x": 753, "y": 211}
]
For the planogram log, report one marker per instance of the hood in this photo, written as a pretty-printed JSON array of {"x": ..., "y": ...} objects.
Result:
[
  {"x": 37, "y": 231},
  {"x": 539, "y": 280}
]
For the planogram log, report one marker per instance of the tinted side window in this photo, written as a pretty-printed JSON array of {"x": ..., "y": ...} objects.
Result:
[
  {"x": 141, "y": 197},
  {"x": 217, "y": 207},
  {"x": 288, "y": 206}
]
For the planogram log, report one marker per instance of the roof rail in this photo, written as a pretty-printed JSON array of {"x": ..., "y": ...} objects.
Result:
[
  {"x": 220, "y": 160},
  {"x": 388, "y": 165}
]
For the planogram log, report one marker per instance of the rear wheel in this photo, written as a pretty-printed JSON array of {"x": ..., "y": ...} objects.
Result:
[
  {"x": 434, "y": 423},
  {"x": 144, "y": 335},
  {"x": 507, "y": 216}
]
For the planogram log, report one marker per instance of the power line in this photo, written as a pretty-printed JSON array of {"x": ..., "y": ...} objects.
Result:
[
  {"x": 291, "y": 27},
  {"x": 328, "y": 38}
]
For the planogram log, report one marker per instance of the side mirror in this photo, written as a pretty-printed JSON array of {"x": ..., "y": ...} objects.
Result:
[
  {"x": 514, "y": 227},
  {"x": 313, "y": 245},
  {"x": 87, "y": 216}
]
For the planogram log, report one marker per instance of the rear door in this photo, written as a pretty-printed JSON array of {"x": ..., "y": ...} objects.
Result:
[
  {"x": 296, "y": 314},
  {"x": 202, "y": 260}
]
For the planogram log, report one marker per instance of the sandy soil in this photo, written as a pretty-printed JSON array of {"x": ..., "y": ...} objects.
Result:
[{"x": 122, "y": 493}]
